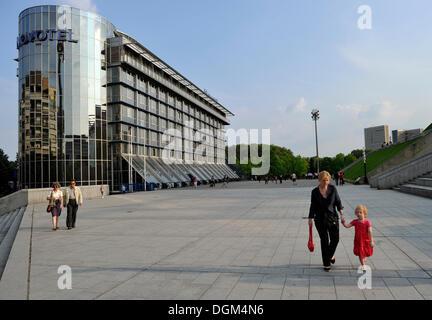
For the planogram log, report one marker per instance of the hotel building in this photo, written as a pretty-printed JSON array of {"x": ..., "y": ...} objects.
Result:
[{"x": 97, "y": 106}]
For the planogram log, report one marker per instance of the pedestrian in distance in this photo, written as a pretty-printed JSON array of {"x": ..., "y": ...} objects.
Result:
[
  {"x": 341, "y": 178},
  {"x": 225, "y": 181},
  {"x": 336, "y": 177},
  {"x": 73, "y": 198},
  {"x": 196, "y": 182},
  {"x": 325, "y": 201},
  {"x": 294, "y": 178},
  {"x": 363, "y": 239},
  {"x": 266, "y": 179},
  {"x": 102, "y": 191},
  {"x": 56, "y": 203}
]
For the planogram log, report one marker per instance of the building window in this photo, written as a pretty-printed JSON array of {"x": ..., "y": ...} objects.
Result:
[
  {"x": 162, "y": 95},
  {"x": 162, "y": 110},
  {"x": 153, "y": 106},
  {"x": 170, "y": 113}
]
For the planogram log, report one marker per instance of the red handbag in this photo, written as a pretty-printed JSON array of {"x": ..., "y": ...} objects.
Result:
[{"x": 311, "y": 245}]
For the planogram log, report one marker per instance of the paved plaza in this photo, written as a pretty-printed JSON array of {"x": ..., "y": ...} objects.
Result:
[{"x": 246, "y": 241}]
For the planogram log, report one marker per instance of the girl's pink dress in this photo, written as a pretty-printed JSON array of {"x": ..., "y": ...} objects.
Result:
[{"x": 362, "y": 247}]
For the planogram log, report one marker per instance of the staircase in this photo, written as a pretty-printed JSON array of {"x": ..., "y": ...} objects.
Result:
[
  {"x": 9, "y": 225},
  {"x": 237, "y": 171},
  {"x": 421, "y": 186}
]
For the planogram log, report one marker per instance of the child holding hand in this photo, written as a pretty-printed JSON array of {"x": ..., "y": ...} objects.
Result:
[{"x": 363, "y": 240}]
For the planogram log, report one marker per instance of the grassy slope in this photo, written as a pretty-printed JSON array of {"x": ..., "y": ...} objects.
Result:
[{"x": 376, "y": 159}]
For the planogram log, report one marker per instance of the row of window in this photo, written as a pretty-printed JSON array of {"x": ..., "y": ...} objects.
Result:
[
  {"x": 143, "y": 136},
  {"x": 217, "y": 156},
  {"x": 140, "y": 118},
  {"x": 141, "y": 64},
  {"x": 151, "y": 105},
  {"x": 63, "y": 149},
  {"x": 120, "y": 75},
  {"x": 41, "y": 174}
]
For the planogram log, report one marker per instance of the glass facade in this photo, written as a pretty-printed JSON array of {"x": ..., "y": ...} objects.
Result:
[
  {"x": 93, "y": 109},
  {"x": 63, "y": 132}
]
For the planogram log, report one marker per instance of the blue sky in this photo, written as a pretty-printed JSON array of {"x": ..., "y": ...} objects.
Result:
[{"x": 271, "y": 62}]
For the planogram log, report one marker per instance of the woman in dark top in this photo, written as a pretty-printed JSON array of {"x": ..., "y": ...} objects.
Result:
[{"x": 324, "y": 202}]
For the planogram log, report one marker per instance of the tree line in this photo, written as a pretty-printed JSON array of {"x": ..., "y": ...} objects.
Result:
[
  {"x": 7, "y": 174},
  {"x": 284, "y": 163}
]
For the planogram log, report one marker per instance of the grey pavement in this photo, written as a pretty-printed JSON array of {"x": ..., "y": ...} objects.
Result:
[{"x": 247, "y": 241}]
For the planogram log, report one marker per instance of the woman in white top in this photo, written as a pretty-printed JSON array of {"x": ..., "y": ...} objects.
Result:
[{"x": 56, "y": 202}]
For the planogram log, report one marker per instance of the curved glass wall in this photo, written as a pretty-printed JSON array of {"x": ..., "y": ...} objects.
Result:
[{"x": 62, "y": 97}]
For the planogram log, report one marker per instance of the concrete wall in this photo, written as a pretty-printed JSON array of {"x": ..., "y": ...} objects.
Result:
[
  {"x": 416, "y": 150},
  {"x": 402, "y": 173},
  {"x": 33, "y": 196}
]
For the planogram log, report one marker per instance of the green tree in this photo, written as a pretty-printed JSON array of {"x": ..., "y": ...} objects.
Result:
[
  {"x": 339, "y": 162},
  {"x": 349, "y": 159},
  {"x": 300, "y": 166},
  {"x": 7, "y": 169},
  {"x": 357, "y": 153},
  {"x": 326, "y": 164}
]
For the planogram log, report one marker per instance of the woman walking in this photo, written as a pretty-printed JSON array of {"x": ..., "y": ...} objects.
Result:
[
  {"x": 56, "y": 202},
  {"x": 324, "y": 202}
]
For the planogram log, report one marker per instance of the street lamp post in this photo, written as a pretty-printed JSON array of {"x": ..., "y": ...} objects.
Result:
[
  {"x": 364, "y": 166},
  {"x": 315, "y": 117}
]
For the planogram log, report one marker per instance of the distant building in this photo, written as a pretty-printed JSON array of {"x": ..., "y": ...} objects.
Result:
[
  {"x": 400, "y": 136},
  {"x": 375, "y": 137}
]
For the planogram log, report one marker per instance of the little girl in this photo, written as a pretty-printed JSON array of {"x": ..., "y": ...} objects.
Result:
[{"x": 363, "y": 240}]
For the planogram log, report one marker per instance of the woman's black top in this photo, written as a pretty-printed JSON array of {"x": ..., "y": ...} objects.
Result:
[{"x": 321, "y": 207}]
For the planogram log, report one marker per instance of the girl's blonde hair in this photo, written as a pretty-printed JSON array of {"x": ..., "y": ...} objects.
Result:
[
  {"x": 56, "y": 184},
  {"x": 363, "y": 208},
  {"x": 322, "y": 175}
]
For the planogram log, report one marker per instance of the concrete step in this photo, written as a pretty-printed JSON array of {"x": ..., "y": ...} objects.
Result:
[
  {"x": 428, "y": 175},
  {"x": 2, "y": 218},
  {"x": 8, "y": 240},
  {"x": 426, "y": 182},
  {"x": 423, "y": 191},
  {"x": 7, "y": 222}
]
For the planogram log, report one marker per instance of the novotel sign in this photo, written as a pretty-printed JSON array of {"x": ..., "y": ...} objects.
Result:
[{"x": 43, "y": 35}]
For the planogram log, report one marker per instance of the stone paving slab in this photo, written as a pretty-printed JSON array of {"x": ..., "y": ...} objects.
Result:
[{"x": 247, "y": 241}]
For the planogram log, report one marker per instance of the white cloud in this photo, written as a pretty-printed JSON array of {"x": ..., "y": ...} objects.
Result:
[
  {"x": 87, "y": 5},
  {"x": 354, "y": 109},
  {"x": 301, "y": 105},
  {"x": 384, "y": 112}
]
